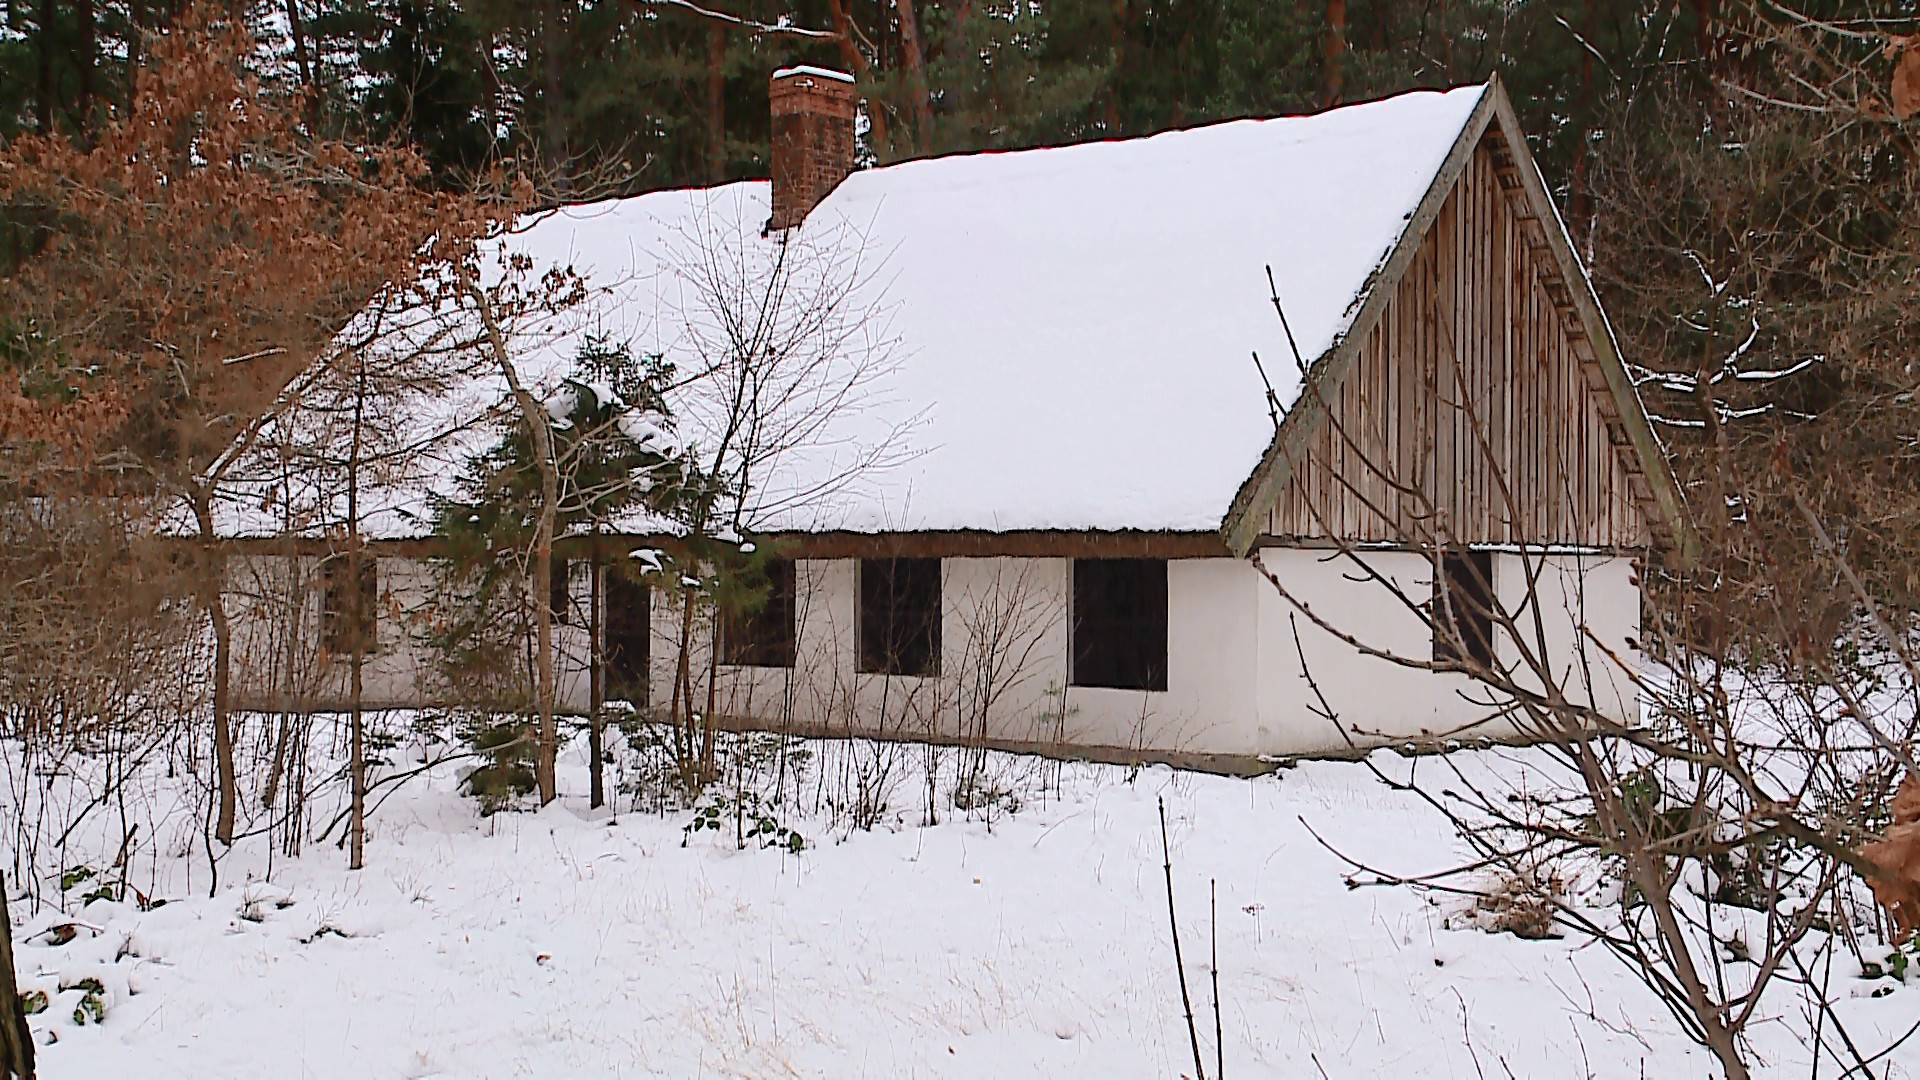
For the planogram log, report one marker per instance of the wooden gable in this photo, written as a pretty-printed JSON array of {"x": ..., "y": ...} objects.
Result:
[{"x": 1471, "y": 403}]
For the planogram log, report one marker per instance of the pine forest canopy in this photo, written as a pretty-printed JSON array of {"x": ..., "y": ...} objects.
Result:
[{"x": 657, "y": 93}]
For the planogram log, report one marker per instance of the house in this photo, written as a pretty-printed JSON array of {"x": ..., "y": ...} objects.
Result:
[{"x": 1086, "y": 495}]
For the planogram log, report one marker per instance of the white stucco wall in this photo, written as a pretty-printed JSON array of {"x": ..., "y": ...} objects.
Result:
[
  {"x": 1376, "y": 699},
  {"x": 1236, "y": 682},
  {"x": 1004, "y": 662},
  {"x": 400, "y": 673}
]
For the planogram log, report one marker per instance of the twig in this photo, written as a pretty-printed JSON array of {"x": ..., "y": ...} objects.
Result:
[
  {"x": 1173, "y": 924},
  {"x": 1213, "y": 943}
]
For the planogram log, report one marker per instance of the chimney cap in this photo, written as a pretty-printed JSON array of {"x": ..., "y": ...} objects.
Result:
[{"x": 807, "y": 69}]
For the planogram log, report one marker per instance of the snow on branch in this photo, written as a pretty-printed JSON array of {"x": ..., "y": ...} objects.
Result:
[{"x": 782, "y": 25}]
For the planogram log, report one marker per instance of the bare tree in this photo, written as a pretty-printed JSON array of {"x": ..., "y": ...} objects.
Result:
[
  {"x": 16, "y": 1038},
  {"x": 197, "y": 254},
  {"x": 1728, "y": 818},
  {"x": 779, "y": 341},
  {"x": 506, "y": 302}
]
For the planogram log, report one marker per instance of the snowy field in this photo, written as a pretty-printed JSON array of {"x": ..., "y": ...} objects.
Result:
[{"x": 569, "y": 943}]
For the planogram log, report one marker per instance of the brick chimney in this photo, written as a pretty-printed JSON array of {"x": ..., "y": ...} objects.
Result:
[{"x": 813, "y": 112}]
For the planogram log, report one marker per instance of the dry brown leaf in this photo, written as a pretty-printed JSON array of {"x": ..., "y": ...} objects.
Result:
[
  {"x": 1906, "y": 802},
  {"x": 1906, "y": 82},
  {"x": 1897, "y": 885}
]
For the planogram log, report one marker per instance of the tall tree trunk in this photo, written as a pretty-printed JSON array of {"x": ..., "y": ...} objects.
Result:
[
  {"x": 915, "y": 56},
  {"x": 89, "y": 61},
  {"x": 212, "y": 575},
  {"x": 16, "y": 1038},
  {"x": 716, "y": 103},
  {"x": 356, "y": 694},
  {"x": 297, "y": 26},
  {"x": 357, "y": 632},
  {"x": 544, "y": 767},
  {"x": 43, "y": 48},
  {"x": 136, "y": 43},
  {"x": 1336, "y": 50},
  {"x": 713, "y": 687},
  {"x": 534, "y": 415},
  {"x": 552, "y": 40},
  {"x": 596, "y": 685},
  {"x": 862, "y": 72}
]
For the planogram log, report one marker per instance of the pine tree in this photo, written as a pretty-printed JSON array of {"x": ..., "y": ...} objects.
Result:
[{"x": 614, "y": 446}]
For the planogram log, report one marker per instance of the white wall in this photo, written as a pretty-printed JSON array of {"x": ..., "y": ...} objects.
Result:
[
  {"x": 399, "y": 673},
  {"x": 1004, "y": 662},
  {"x": 1587, "y": 610},
  {"x": 1236, "y": 683},
  {"x": 1376, "y": 699}
]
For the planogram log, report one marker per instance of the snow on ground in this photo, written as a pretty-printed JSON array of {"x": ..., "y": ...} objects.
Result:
[{"x": 568, "y": 943}]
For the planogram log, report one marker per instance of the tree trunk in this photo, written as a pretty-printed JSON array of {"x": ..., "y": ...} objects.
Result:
[
  {"x": 552, "y": 95},
  {"x": 356, "y": 630},
  {"x": 916, "y": 59},
  {"x": 544, "y": 767},
  {"x": 16, "y": 1038},
  {"x": 596, "y": 687},
  {"x": 297, "y": 27},
  {"x": 357, "y": 829},
  {"x": 1720, "y": 1039},
  {"x": 43, "y": 105},
  {"x": 856, "y": 62},
  {"x": 535, "y": 417},
  {"x": 713, "y": 685},
  {"x": 89, "y": 60},
  {"x": 271, "y": 789},
  {"x": 136, "y": 43},
  {"x": 717, "y": 103},
  {"x": 212, "y": 574},
  {"x": 1336, "y": 50}
]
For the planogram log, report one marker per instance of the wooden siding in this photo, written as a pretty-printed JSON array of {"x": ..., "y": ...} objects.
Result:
[{"x": 1474, "y": 410}]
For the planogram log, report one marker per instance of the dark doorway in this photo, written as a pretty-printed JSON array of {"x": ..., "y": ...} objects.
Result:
[{"x": 628, "y": 634}]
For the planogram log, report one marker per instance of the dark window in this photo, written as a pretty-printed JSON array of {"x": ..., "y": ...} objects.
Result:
[
  {"x": 337, "y": 634},
  {"x": 559, "y": 597},
  {"x": 628, "y": 632},
  {"x": 900, "y": 616},
  {"x": 1120, "y": 623},
  {"x": 763, "y": 637},
  {"x": 1463, "y": 608}
]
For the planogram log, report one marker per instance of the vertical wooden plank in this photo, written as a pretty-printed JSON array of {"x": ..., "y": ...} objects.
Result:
[
  {"x": 1404, "y": 406},
  {"x": 1482, "y": 355},
  {"x": 1378, "y": 408},
  {"x": 1384, "y": 382},
  {"x": 1459, "y": 380},
  {"x": 1503, "y": 361},
  {"x": 1466, "y": 353},
  {"x": 1534, "y": 502},
  {"x": 1484, "y": 337},
  {"x": 1444, "y": 356}
]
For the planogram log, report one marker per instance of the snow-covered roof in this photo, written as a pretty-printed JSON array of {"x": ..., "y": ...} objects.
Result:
[{"x": 1063, "y": 336}]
